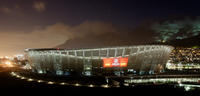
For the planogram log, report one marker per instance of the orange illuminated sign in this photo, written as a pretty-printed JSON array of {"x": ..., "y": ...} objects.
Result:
[{"x": 115, "y": 62}]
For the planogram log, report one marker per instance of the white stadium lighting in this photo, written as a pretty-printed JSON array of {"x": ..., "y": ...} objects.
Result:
[{"x": 141, "y": 59}]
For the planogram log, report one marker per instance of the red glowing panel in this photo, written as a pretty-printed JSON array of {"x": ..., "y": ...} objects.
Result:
[
  {"x": 107, "y": 62},
  {"x": 115, "y": 62},
  {"x": 123, "y": 62}
]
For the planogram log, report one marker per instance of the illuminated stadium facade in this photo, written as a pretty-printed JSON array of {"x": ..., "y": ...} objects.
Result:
[{"x": 109, "y": 61}]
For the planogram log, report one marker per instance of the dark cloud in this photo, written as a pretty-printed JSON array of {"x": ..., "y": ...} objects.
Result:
[
  {"x": 176, "y": 28},
  {"x": 104, "y": 34},
  {"x": 92, "y": 28}
]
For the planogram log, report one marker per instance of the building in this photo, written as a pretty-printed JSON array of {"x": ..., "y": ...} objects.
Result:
[
  {"x": 120, "y": 61},
  {"x": 184, "y": 58}
]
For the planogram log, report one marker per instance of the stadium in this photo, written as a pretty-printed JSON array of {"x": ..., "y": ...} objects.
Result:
[{"x": 108, "y": 61}]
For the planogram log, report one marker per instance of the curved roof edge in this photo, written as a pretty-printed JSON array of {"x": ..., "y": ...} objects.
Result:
[{"x": 43, "y": 49}]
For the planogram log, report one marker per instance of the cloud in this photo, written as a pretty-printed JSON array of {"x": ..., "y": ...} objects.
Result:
[
  {"x": 39, "y": 6},
  {"x": 51, "y": 36},
  {"x": 93, "y": 28},
  {"x": 92, "y": 34},
  {"x": 16, "y": 6},
  {"x": 5, "y": 10},
  {"x": 13, "y": 10}
]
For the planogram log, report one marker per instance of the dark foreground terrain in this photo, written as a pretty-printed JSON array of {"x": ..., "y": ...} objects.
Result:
[{"x": 12, "y": 85}]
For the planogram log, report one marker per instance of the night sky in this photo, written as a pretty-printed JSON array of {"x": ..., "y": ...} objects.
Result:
[{"x": 48, "y": 23}]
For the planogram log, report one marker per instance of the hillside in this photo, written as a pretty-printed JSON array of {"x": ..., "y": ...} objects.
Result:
[{"x": 188, "y": 42}]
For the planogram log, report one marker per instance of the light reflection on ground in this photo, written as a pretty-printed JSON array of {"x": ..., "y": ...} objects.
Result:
[{"x": 179, "y": 82}]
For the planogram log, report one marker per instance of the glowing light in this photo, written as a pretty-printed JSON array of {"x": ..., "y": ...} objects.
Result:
[
  {"x": 123, "y": 64},
  {"x": 30, "y": 79},
  {"x": 88, "y": 68},
  {"x": 50, "y": 82},
  {"x": 105, "y": 86},
  {"x": 115, "y": 62},
  {"x": 91, "y": 85},
  {"x": 13, "y": 74},
  {"x": 8, "y": 64},
  {"x": 126, "y": 84},
  {"x": 63, "y": 83},
  {"x": 39, "y": 81},
  {"x": 187, "y": 88},
  {"x": 23, "y": 78},
  {"x": 180, "y": 84},
  {"x": 18, "y": 76},
  {"x": 77, "y": 84}
]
